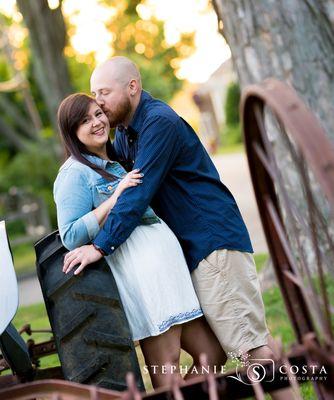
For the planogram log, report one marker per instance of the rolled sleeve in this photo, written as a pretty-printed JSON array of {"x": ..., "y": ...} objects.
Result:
[
  {"x": 76, "y": 222},
  {"x": 92, "y": 225}
]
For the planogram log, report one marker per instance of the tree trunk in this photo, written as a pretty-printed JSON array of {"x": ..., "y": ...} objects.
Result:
[
  {"x": 292, "y": 40},
  {"x": 47, "y": 34},
  {"x": 16, "y": 140}
]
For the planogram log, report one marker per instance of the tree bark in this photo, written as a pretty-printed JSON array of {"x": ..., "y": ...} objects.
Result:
[
  {"x": 10, "y": 134},
  {"x": 292, "y": 40},
  {"x": 47, "y": 34}
]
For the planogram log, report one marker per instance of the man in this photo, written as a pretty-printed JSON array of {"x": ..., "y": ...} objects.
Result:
[{"x": 184, "y": 188}]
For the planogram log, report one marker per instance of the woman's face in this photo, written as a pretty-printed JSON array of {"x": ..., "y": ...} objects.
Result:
[{"x": 93, "y": 130}]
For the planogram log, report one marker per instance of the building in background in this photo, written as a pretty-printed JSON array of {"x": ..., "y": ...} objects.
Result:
[{"x": 210, "y": 98}]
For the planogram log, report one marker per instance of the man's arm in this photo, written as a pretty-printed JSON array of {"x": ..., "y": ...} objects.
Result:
[{"x": 157, "y": 148}]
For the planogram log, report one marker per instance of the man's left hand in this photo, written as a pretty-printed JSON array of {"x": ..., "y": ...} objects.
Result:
[{"x": 83, "y": 256}]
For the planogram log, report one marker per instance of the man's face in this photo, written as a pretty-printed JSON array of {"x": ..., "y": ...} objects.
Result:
[{"x": 112, "y": 96}]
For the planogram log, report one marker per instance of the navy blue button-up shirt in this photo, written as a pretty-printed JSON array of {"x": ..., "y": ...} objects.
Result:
[{"x": 180, "y": 182}]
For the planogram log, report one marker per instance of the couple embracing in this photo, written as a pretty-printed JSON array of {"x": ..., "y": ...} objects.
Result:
[{"x": 152, "y": 203}]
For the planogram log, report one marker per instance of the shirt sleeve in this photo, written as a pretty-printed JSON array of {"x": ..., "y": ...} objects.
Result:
[
  {"x": 158, "y": 147},
  {"x": 77, "y": 222}
]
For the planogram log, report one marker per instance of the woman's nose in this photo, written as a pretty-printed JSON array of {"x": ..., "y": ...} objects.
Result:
[{"x": 96, "y": 121}]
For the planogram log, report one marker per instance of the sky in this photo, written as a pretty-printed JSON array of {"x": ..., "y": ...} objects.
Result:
[{"x": 191, "y": 16}]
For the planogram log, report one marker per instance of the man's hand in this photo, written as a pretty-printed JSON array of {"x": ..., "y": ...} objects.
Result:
[{"x": 83, "y": 255}]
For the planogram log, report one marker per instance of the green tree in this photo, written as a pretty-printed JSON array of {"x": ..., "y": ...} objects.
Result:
[
  {"x": 143, "y": 42},
  {"x": 232, "y": 104}
]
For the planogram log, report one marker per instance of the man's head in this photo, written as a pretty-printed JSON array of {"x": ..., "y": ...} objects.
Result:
[{"x": 116, "y": 86}]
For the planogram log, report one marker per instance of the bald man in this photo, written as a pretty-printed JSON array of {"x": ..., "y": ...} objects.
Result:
[{"x": 184, "y": 188}]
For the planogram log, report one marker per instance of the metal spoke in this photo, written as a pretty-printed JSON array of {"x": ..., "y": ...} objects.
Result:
[{"x": 309, "y": 295}]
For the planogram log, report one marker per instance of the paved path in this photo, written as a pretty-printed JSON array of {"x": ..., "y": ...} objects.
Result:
[
  {"x": 29, "y": 291},
  {"x": 233, "y": 170}
]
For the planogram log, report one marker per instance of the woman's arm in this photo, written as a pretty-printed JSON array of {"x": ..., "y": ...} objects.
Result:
[
  {"x": 78, "y": 223},
  {"x": 133, "y": 178}
]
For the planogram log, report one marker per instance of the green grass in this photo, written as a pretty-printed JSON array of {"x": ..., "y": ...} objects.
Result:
[
  {"x": 36, "y": 316},
  {"x": 231, "y": 148},
  {"x": 260, "y": 260},
  {"x": 24, "y": 258},
  {"x": 231, "y": 140}
]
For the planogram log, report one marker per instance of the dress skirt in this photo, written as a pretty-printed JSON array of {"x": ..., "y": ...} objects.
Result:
[{"x": 153, "y": 280}]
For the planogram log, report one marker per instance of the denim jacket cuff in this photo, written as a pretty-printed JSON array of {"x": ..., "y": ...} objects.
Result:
[{"x": 92, "y": 225}]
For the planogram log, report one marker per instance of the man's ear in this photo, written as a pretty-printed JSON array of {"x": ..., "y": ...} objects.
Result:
[{"x": 133, "y": 86}]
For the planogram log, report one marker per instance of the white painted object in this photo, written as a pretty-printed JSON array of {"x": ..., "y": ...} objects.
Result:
[{"x": 9, "y": 297}]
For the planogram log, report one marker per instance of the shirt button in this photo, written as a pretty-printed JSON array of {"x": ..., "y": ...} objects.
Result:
[
  {"x": 112, "y": 248},
  {"x": 109, "y": 187},
  {"x": 133, "y": 161}
]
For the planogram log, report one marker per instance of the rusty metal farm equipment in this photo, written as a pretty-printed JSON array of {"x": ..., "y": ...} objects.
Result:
[{"x": 292, "y": 168}]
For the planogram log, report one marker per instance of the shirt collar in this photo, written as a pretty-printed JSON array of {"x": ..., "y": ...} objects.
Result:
[
  {"x": 97, "y": 160},
  {"x": 138, "y": 116}
]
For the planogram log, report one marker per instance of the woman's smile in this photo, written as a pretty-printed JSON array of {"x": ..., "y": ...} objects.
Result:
[
  {"x": 100, "y": 131},
  {"x": 93, "y": 130}
]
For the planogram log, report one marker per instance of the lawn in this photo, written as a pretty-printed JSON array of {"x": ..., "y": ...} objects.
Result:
[
  {"x": 24, "y": 258},
  {"x": 277, "y": 319}
]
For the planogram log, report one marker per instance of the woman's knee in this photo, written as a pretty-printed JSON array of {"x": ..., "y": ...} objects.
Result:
[{"x": 163, "y": 348}]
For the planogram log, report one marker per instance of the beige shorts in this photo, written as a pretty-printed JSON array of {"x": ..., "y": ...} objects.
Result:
[{"x": 228, "y": 290}]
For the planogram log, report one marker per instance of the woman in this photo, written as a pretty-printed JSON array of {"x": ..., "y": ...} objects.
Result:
[{"x": 149, "y": 267}]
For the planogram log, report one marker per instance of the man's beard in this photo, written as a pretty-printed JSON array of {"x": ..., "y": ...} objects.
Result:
[{"x": 120, "y": 113}]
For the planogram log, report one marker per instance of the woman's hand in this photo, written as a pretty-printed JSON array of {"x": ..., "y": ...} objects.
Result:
[
  {"x": 81, "y": 256},
  {"x": 133, "y": 178}
]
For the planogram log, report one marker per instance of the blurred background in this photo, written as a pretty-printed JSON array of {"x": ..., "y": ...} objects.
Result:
[{"x": 48, "y": 49}]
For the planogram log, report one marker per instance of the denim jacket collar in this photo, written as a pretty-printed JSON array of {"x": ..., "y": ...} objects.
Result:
[{"x": 100, "y": 162}]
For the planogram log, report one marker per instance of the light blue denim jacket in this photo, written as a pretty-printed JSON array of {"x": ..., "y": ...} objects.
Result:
[{"x": 77, "y": 190}]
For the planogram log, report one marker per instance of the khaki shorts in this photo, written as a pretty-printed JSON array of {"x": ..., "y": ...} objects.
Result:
[{"x": 228, "y": 290}]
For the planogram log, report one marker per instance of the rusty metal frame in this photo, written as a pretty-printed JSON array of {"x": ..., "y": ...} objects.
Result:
[
  {"x": 317, "y": 151},
  {"x": 210, "y": 386}
]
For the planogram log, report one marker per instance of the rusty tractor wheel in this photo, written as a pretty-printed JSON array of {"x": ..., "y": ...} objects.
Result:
[
  {"x": 291, "y": 162},
  {"x": 91, "y": 331}
]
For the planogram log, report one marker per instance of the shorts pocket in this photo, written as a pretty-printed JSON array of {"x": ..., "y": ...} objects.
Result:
[{"x": 211, "y": 263}]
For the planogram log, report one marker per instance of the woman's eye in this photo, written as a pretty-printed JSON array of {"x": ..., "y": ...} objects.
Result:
[{"x": 84, "y": 121}]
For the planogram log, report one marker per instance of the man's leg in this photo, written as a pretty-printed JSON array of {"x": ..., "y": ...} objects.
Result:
[{"x": 228, "y": 289}]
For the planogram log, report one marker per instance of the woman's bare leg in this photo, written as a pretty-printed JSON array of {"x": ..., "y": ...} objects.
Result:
[
  {"x": 161, "y": 350},
  {"x": 197, "y": 338}
]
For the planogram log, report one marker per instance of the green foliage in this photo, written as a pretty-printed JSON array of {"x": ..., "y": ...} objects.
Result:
[
  {"x": 231, "y": 134},
  {"x": 143, "y": 42},
  {"x": 80, "y": 73},
  {"x": 34, "y": 171},
  {"x": 232, "y": 104}
]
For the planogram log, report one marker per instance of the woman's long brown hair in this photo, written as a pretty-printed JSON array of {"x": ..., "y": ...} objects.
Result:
[{"x": 71, "y": 112}]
